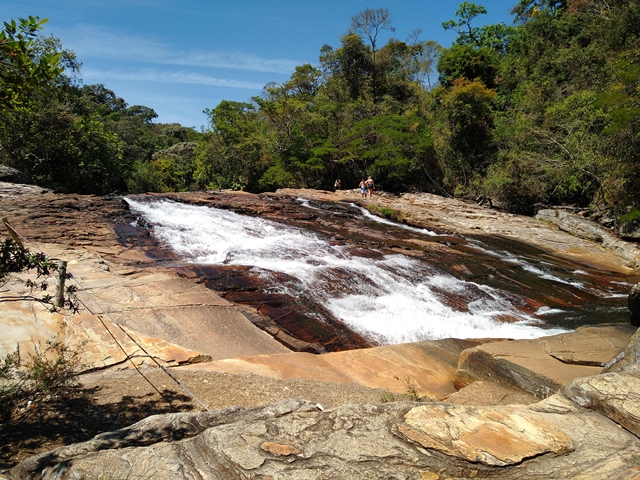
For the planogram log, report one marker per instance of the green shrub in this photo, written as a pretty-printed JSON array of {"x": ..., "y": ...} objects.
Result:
[
  {"x": 631, "y": 216},
  {"x": 15, "y": 258},
  {"x": 50, "y": 368},
  {"x": 385, "y": 212}
]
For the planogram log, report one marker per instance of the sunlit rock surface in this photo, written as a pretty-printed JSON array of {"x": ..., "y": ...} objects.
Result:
[
  {"x": 291, "y": 439},
  {"x": 586, "y": 428}
]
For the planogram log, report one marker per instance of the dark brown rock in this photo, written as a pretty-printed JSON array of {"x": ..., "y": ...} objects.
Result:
[{"x": 634, "y": 305}]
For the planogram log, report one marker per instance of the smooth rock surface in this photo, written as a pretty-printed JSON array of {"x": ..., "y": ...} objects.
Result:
[{"x": 542, "y": 366}]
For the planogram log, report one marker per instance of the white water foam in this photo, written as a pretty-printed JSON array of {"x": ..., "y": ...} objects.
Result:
[
  {"x": 366, "y": 213},
  {"x": 539, "y": 272},
  {"x": 395, "y": 299}
]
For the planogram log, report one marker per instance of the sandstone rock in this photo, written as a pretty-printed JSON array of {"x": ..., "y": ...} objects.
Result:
[
  {"x": 616, "y": 395},
  {"x": 584, "y": 228},
  {"x": 482, "y": 393},
  {"x": 428, "y": 367},
  {"x": 497, "y": 436},
  {"x": 291, "y": 439},
  {"x": 544, "y": 365},
  {"x": 627, "y": 361}
]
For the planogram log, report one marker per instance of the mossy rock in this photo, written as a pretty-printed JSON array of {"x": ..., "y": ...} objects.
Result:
[{"x": 629, "y": 225}]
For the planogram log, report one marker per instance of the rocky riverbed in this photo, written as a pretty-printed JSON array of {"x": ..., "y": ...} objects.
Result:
[{"x": 557, "y": 383}]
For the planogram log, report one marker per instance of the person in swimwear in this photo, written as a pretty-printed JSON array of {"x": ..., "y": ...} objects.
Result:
[
  {"x": 363, "y": 188},
  {"x": 370, "y": 186}
]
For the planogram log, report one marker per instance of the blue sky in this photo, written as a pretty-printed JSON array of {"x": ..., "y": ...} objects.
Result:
[{"x": 180, "y": 57}]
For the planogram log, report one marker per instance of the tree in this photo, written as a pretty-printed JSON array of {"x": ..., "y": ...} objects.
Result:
[
  {"x": 396, "y": 149},
  {"x": 369, "y": 23},
  {"x": 422, "y": 58},
  {"x": 467, "y": 62},
  {"x": 464, "y": 133},
  {"x": 354, "y": 65},
  {"x": 466, "y": 33},
  {"x": 495, "y": 37},
  {"x": 233, "y": 155},
  {"x": 526, "y": 10},
  {"x": 23, "y": 69}
]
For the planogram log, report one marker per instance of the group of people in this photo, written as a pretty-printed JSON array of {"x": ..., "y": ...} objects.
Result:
[{"x": 366, "y": 187}]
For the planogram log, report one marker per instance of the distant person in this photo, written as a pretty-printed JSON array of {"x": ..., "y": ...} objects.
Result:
[
  {"x": 337, "y": 184},
  {"x": 363, "y": 188},
  {"x": 370, "y": 187}
]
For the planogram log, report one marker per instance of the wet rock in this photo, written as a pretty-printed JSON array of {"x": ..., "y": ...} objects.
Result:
[
  {"x": 633, "y": 303},
  {"x": 296, "y": 322}
]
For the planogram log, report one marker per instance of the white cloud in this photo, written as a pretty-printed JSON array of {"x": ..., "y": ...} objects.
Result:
[
  {"x": 182, "y": 77},
  {"x": 93, "y": 42}
]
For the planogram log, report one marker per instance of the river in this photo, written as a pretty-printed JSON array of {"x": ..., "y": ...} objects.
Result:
[{"x": 499, "y": 290}]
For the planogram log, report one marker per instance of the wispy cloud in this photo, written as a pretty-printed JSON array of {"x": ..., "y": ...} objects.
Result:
[
  {"x": 91, "y": 42},
  {"x": 181, "y": 77}
]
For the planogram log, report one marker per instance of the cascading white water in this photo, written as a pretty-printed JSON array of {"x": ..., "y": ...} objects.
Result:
[{"x": 393, "y": 299}]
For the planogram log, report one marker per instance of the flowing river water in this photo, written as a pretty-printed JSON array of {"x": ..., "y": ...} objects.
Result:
[{"x": 496, "y": 289}]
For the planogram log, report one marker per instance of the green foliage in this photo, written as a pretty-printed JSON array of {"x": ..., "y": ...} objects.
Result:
[
  {"x": 467, "y": 62},
  {"x": 91, "y": 155},
  {"x": 23, "y": 69},
  {"x": 630, "y": 216},
  {"x": 386, "y": 212},
  {"x": 464, "y": 133},
  {"x": 542, "y": 111},
  {"x": 14, "y": 258}
]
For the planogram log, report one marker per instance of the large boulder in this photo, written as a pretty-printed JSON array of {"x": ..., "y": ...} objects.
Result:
[
  {"x": 629, "y": 226},
  {"x": 11, "y": 175},
  {"x": 587, "y": 229}
]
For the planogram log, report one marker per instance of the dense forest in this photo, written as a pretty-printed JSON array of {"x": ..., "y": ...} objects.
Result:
[{"x": 543, "y": 111}]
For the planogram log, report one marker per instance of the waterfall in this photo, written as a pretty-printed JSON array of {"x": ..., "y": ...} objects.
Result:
[{"x": 386, "y": 297}]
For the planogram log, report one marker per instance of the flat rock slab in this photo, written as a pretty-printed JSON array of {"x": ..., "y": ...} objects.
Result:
[
  {"x": 105, "y": 344},
  {"x": 589, "y": 346},
  {"x": 426, "y": 366},
  {"x": 174, "y": 319},
  {"x": 498, "y": 436},
  {"x": 537, "y": 366},
  {"x": 217, "y": 331},
  {"x": 481, "y": 393}
]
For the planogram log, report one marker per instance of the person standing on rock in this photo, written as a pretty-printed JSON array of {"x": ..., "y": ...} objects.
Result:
[
  {"x": 363, "y": 188},
  {"x": 370, "y": 187},
  {"x": 337, "y": 185}
]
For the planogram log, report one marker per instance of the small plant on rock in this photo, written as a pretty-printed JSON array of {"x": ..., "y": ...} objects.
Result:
[
  {"x": 411, "y": 394},
  {"x": 15, "y": 258},
  {"x": 52, "y": 367},
  {"x": 385, "y": 212}
]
